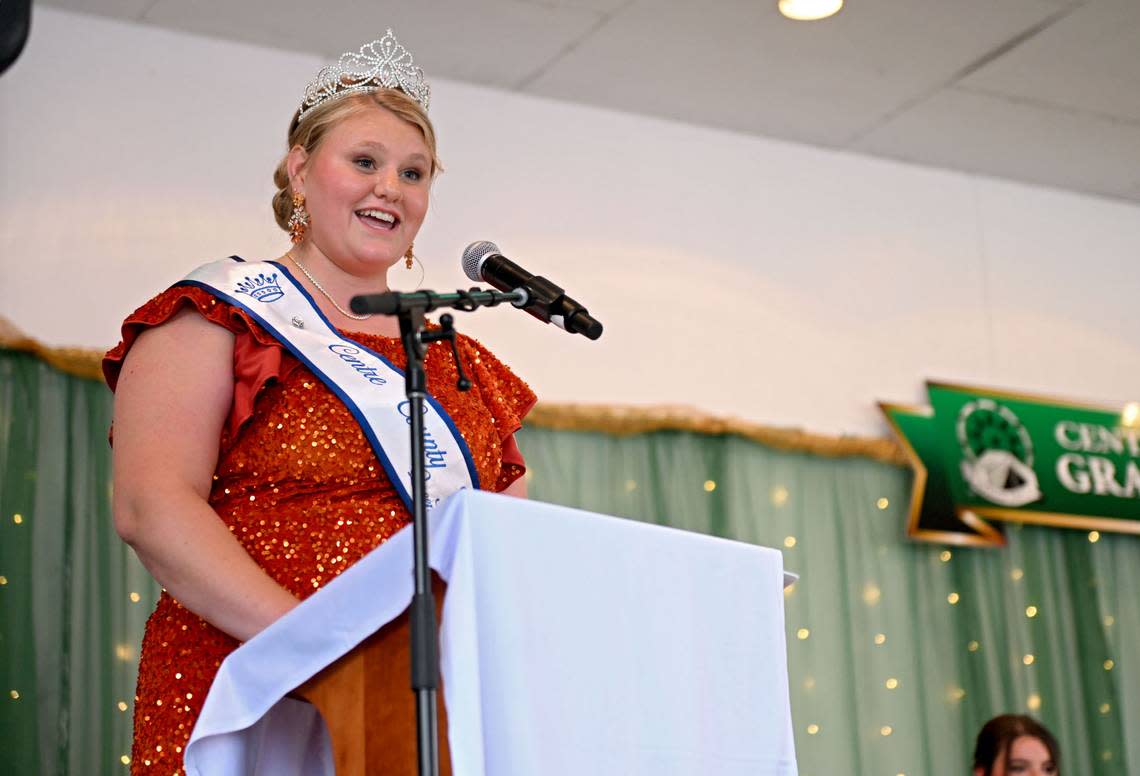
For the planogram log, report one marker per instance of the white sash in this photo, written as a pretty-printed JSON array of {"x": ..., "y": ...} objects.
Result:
[{"x": 368, "y": 384}]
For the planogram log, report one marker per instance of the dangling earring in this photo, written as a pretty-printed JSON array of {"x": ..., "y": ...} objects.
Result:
[
  {"x": 409, "y": 257},
  {"x": 299, "y": 220}
]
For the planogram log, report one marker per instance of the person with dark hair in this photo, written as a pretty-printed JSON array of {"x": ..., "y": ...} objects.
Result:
[{"x": 1016, "y": 744}]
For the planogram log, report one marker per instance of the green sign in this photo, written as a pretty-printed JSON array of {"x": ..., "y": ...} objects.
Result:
[{"x": 981, "y": 456}]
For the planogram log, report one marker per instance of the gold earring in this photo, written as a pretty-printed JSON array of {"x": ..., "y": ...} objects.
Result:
[
  {"x": 299, "y": 220},
  {"x": 409, "y": 257}
]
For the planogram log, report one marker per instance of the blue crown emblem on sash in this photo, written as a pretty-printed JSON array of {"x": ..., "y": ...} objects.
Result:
[{"x": 262, "y": 287}]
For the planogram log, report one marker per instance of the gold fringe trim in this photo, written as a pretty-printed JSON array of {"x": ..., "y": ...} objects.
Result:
[
  {"x": 625, "y": 421},
  {"x": 604, "y": 419},
  {"x": 80, "y": 362}
]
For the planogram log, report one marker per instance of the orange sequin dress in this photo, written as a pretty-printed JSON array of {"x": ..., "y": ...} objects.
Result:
[{"x": 299, "y": 486}]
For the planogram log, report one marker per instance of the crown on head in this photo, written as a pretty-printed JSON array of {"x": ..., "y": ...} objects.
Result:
[{"x": 381, "y": 64}]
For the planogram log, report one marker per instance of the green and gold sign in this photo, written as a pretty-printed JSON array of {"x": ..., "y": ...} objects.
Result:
[{"x": 981, "y": 456}]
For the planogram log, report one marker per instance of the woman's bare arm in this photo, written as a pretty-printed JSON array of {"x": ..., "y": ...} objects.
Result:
[
  {"x": 516, "y": 488},
  {"x": 172, "y": 399}
]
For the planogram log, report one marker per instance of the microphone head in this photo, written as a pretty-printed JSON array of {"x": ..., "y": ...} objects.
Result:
[{"x": 473, "y": 257}]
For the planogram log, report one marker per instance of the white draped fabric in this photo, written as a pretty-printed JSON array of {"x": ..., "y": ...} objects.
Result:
[{"x": 571, "y": 643}]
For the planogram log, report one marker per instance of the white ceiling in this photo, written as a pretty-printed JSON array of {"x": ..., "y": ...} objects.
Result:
[{"x": 1041, "y": 91}]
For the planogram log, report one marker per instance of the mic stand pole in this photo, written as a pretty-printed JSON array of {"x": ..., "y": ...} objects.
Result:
[
  {"x": 410, "y": 309},
  {"x": 425, "y": 657}
]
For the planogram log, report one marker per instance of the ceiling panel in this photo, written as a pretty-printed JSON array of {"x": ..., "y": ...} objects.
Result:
[
  {"x": 118, "y": 9},
  {"x": 592, "y": 5},
  {"x": 1025, "y": 142},
  {"x": 738, "y": 64},
  {"x": 1088, "y": 61},
  {"x": 454, "y": 38}
]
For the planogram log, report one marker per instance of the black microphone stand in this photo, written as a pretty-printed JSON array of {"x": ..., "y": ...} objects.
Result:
[{"x": 410, "y": 309}]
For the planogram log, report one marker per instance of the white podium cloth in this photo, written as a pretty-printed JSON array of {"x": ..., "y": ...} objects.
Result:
[{"x": 571, "y": 644}]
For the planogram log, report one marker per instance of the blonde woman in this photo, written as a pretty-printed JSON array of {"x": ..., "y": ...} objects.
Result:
[{"x": 248, "y": 471}]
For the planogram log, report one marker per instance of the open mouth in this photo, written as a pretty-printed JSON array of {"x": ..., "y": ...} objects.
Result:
[{"x": 378, "y": 219}]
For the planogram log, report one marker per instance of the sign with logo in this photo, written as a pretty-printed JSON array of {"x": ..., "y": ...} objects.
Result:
[{"x": 983, "y": 457}]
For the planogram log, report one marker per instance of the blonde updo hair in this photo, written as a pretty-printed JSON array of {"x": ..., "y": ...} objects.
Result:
[{"x": 321, "y": 119}]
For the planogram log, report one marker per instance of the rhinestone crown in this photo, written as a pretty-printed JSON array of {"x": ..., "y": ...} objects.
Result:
[{"x": 381, "y": 64}]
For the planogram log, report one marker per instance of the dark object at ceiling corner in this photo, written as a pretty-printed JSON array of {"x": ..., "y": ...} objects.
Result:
[{"x": 15, "y": 22}]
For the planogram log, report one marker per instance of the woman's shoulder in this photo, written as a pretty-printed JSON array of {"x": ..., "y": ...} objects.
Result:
[
  {"x": 508, "y": 393},
  {"x": 185, "y": 295}
]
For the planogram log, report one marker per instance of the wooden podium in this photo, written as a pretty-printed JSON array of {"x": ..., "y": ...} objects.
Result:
[{"x": 368, "y": 705}]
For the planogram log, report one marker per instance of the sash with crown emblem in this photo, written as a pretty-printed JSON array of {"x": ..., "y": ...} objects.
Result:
[{"x": 369, "y": 385}]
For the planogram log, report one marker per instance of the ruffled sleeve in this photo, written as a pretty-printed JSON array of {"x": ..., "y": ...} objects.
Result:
[
  {"x": 258, "y": 357},
  {"x": 508, "y": 398}
]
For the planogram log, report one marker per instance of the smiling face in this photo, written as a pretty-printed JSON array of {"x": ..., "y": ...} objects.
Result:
[{"x": 366, "y": 188}]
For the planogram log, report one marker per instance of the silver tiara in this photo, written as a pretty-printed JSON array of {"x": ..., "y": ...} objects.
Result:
[{"x": 381, "y": 64}]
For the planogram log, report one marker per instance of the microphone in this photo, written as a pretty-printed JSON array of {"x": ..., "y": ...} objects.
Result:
[{"x": 482, "y": 262}]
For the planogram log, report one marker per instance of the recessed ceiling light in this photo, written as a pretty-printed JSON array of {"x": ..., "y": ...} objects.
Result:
[{"x": 809, "y": 10}]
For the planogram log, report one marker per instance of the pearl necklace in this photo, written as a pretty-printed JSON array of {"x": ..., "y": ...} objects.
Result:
[{"x": 313, "y": 280}]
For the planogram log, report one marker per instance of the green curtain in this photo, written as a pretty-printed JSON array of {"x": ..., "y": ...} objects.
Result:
[
  {"x": 73, "y": 598},
  {"x": 897, "y": 651}
]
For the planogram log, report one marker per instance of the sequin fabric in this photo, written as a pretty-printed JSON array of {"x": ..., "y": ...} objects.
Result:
[{"x": 299, "y": 486}]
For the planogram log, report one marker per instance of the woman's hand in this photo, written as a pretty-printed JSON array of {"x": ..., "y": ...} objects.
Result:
[{"x": 173, "y": 396}]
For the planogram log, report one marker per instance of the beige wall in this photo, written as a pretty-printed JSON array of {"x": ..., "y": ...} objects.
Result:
[{"x": 744, "y": 276}]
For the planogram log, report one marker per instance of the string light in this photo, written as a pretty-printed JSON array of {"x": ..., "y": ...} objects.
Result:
[
  {"x": 125, "y": 760},
  {"x": 883, "y": 503},
  {"x": 1105, "y": 708},
  {"x": 1031, "y": 611},
  {"x": 789, "y": 542},
  {"x": 1028, "y": 659},
  {"x": 957, "y": 694},
  {"x": 880, "y": 639},
  {"x": 135, "y": 598},
  {"x": 871, "y": 594},
  {"x": 122, "y": 706},
  {"x": 952, "y": 599},
  {"x": 1108, "y": 664},
  {"x": 789, "y": 590},
  {"x": 945, "y": 556},
  {"x": 124, "y": 652},
  {"x": 1109, "y": 621},
  {"x": 3, "y": 581},
  {"x": 1016, "y": 575},
  {"x": 891, "y": 683},
  {"x": 17, "y": 518},
  {"x": 710, "y": 486},
  {"x": 812, "y": 729},
  {"x": 973, "y": 646},
  {"x": 15, "y": 695},
  {"x": 886, "y": 730},
  {"x": 1033, "y": 702},
  {"x": 779, "y": 496},
  {"x": 630, "y": 486},
  {"x": 802, "y": 634},
  {"x": 1094, "y": 536}
]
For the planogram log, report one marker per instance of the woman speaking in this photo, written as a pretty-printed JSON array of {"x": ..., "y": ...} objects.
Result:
[{"x": 259, "y": 448}]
